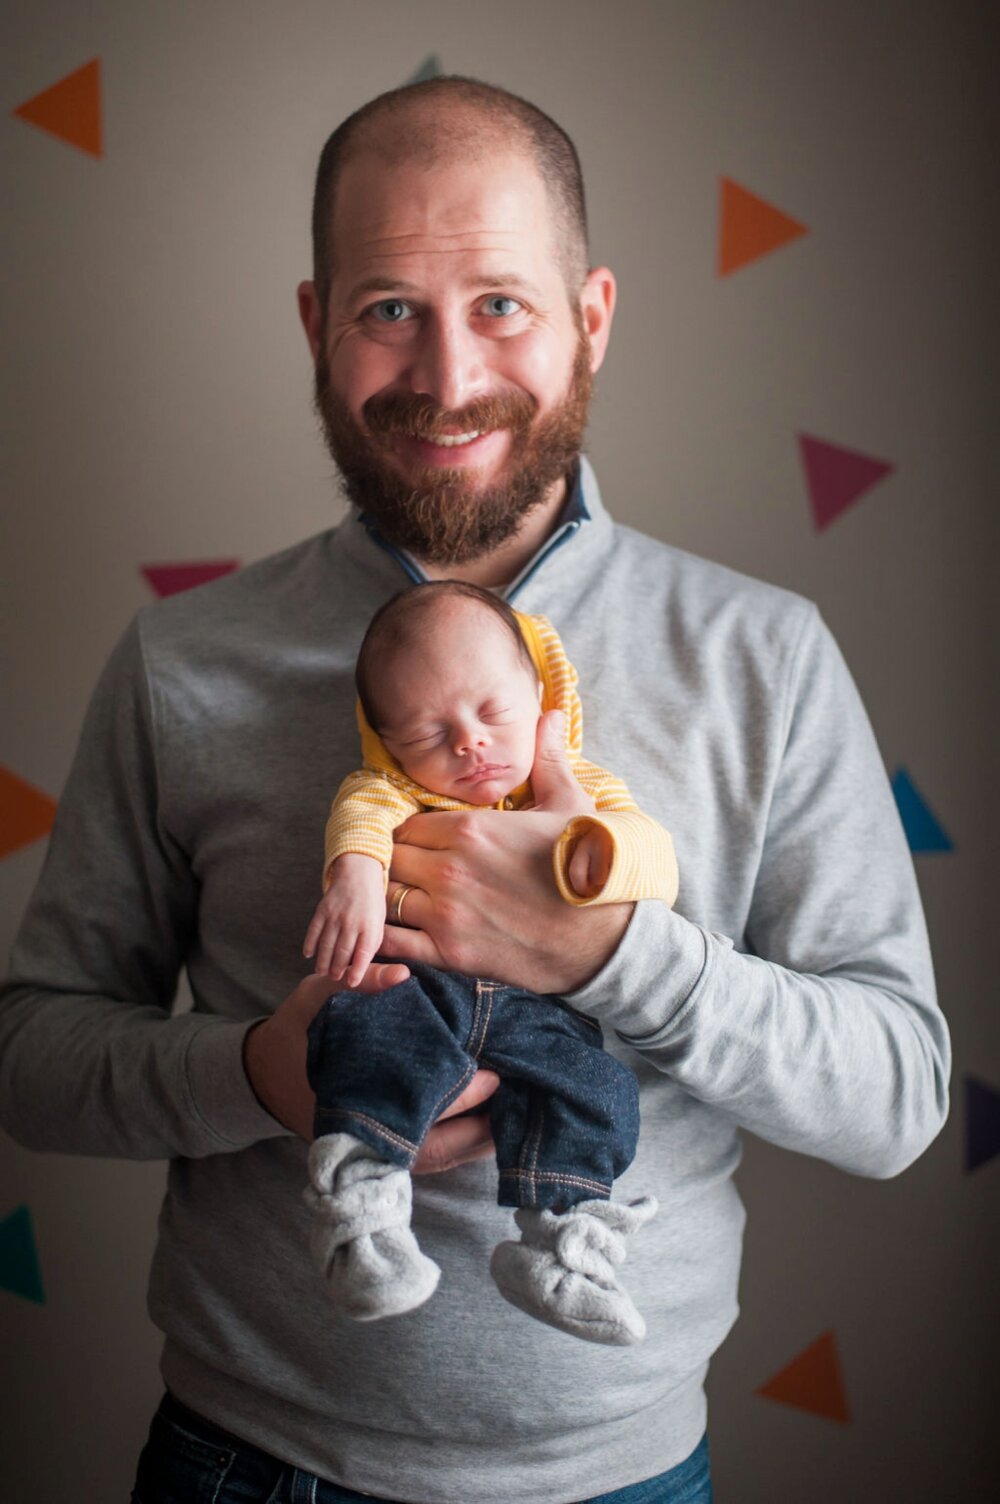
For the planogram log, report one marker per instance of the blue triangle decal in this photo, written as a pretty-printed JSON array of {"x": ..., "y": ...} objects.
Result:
[
  {"x": 429, "y": 68},
  {"x": 982, "y": 1123},
  {"x": 19, "y": 1271},
  {"x": 923, "y": 829}
]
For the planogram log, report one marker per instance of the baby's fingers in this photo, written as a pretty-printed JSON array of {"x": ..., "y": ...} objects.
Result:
[
  {"x": 313, "y": 933},
  {"x": 329, "y": 961},
  {"x": 364, "y": 952}
]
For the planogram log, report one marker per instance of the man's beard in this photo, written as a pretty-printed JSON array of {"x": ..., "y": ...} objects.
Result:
[{"x": 446, "y": 517}]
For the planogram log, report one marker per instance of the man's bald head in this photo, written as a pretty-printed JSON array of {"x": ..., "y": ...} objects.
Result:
[{"x": 458, "y": 118}]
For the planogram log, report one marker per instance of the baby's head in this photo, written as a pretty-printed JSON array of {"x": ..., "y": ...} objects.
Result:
[{"x": 446, "y": 679}]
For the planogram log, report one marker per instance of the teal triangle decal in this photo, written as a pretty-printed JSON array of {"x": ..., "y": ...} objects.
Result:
[
  {"x": 429, "y": 68},
  {"x": 923, "y": 829},
  {"x": 19, "y": 1271}
]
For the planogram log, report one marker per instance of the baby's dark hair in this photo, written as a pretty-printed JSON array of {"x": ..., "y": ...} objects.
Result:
[{"x": 398, "y": 622}]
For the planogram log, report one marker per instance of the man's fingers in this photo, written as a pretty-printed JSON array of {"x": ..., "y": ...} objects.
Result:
[
  {"x": 454, "y": 1143},
  {"x": 411, "y": 945},
  {"x": 381, "y": 975},
  {"x": 480, "y": 1089},
  {"x": 432, "y": 830},
  {"x": 454, "y": 1140}
]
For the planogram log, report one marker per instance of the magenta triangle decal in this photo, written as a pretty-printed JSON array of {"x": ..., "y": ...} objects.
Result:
[
  {"x": 170, "y": 579},
  {"x": 837, "y": 477}
]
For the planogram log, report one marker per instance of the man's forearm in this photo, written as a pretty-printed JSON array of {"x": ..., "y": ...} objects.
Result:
[{"x": 849, "y": 1068}]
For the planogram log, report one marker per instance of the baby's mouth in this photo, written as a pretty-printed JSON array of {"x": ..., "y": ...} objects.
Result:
[{"x": 484, "y": 771}]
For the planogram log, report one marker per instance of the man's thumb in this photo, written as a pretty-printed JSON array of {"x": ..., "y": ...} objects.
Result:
[{"x": 552, "y": 779}]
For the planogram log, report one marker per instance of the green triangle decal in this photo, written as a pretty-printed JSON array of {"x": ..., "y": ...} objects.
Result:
[{"x": 19, "y": 1271}]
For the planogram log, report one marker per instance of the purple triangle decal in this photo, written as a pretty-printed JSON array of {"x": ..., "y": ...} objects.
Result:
[
  {"x": 837, "y": 477},
  {"x": 982, "y": 1123}
]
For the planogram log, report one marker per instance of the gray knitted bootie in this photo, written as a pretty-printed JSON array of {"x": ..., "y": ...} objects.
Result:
[
  {"x": 361, "y": 1238},
  {"x": 563, "y": 1269}
]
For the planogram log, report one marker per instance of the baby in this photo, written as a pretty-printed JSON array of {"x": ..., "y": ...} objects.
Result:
[{"x": 451, "y": 686}]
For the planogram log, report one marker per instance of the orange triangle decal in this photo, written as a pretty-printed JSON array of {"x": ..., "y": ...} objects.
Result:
[
  {"x": 26, "y": 814},
  {"x": 812, "y": 1381},
  {"x": 749, "y": 227},
  {"x": 70, "y": 109}
]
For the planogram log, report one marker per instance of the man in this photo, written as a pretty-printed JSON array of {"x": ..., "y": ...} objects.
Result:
[{"x": 455, "y": 329}]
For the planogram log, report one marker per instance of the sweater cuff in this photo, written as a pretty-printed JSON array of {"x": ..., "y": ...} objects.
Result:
[
  {"x": 221, "y": 1093},
  {"x": 651, "y": 981}
]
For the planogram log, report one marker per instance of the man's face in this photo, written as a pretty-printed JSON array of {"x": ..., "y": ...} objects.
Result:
[{"x": 453, "y": 374}]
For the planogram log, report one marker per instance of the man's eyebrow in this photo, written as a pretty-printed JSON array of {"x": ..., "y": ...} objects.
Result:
[
  {"x": 383, "y": 283},
  {"x": 486, "y": 281}
]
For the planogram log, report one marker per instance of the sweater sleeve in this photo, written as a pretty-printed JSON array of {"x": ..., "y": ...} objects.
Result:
[
  {"x": 643, "y": 864},
  {"x": 91, "y": 1060},
  {"x": 822, "y": 1033},
  {"x": 364, "y": 815}
]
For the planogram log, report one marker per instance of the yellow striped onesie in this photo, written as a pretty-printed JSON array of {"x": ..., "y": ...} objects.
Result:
[{"x": 373, "y": 801}]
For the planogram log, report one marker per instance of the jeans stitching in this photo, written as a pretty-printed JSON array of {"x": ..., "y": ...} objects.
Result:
[
  {"x": 477, "y": 1033},
  {"x": 551, "y": 1177},
  {"x": 353, "y": 1115},
  {"x": 453, "y": 1091}
]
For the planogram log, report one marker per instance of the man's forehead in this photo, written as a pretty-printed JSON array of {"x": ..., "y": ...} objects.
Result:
[{"x": 452, "y": 211}]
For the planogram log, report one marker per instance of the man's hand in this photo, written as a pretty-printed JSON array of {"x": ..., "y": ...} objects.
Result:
[
  {"x": 346, "y": 929},
  {"x": 484, "y": 898},
  {"x": 274, "y": 1056}
]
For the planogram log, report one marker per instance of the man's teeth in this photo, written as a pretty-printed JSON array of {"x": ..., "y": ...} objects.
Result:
[{"x": 452, "y": 440}]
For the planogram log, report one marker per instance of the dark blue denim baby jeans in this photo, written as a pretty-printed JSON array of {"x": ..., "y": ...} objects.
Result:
[
  {"x": 565, "y": 1117},
  {"x": 187, "y": 1460}
]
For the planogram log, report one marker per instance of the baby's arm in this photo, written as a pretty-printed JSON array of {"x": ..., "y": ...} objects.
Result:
[
  {"x": 346, "y": 929},
  {"x": 618, "y": 854}
]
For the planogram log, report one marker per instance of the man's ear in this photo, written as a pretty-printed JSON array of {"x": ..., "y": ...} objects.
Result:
[
  {"x": 597, "y": 307},
  {"x": 311, "y": 314}
]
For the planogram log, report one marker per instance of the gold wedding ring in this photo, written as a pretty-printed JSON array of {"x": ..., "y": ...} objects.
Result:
[{"x": 396, "y": 904}]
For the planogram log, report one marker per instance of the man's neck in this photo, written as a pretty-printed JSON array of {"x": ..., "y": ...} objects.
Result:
[{"x": 503, "y": 564}]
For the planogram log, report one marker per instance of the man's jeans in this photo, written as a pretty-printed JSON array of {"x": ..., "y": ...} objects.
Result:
[
  {"x": 565, "y": 1117},
  {"x": 188, "y": 1461}
]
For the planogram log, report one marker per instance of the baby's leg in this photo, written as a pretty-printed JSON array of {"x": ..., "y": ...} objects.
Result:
[
  {"x": 566, "y": 1123},
  {"x": 383, "y": 1067}
]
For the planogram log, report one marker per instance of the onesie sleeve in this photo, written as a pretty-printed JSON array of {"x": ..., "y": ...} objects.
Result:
[
  {"x": 643, "y": 864},
  {"x": 365, "y": 812}
]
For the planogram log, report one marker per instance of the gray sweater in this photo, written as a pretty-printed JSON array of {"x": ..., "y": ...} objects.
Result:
[{"x": 790, "y": 993}]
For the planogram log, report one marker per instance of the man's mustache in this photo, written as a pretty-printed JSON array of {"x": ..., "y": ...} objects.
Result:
[{"x": 420, "y": 416}]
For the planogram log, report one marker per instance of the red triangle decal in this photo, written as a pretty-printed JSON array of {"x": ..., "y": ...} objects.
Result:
[
  {"x": 812, "y": 1381},
  {"x": 70, "y": 109},
  {"x": 749, "y": 227},
  {"x": 26, "y": 814},
  {"x": 837, "y": 477},
  {"x": 171, "y": 579}
]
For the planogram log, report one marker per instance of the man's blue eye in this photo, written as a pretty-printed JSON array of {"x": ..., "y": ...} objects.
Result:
[
  {"x": 501, "y": 307},
  {"x": 391, "y": 311}
]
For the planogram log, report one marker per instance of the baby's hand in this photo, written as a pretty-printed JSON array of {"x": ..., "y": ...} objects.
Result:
[
  {"x": 346, "y": 929},
  {"x": 590, "y": 863}
]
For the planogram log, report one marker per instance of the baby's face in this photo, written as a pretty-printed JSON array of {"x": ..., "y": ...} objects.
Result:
[{"x": 460, "y": 708}]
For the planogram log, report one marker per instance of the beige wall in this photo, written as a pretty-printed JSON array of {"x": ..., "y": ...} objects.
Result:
[{"x": 157, "y": 407}]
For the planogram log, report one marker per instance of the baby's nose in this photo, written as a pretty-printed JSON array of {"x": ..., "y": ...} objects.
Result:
[{"x": 470, "y": 737}]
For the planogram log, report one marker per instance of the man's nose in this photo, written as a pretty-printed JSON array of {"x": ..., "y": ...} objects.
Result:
[{"x": 448, "y": 365}]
